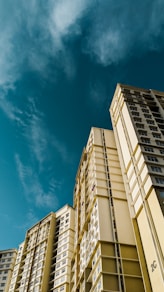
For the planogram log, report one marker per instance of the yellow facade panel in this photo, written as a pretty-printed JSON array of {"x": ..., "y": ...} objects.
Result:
[
  {"x": 150, "y": 253},
  {"x": 124, "y": 225},
  {"x": 157, "y": 217},
  {"x": 131, "y": 132}
]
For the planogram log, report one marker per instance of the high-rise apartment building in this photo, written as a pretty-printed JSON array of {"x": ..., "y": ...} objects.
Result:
[
  {"x": 7, "y": 261},
  {"x": 105, "y": 255},
  {"x": 44, "y": 258},
  {"x": 113, "y": 238},
  {"x": 138, "y": 123}
]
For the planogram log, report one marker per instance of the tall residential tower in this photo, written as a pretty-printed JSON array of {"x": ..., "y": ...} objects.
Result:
[
  {"x": 138, "y": 123},
  {"x": 105, "y": 255}
]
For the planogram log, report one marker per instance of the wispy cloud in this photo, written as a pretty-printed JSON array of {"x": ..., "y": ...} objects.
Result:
[
  {"x": 38, "y": 32},
  {"x": 30, "y": 219},
  {"x": 33, "y": 189},
  {"x": 40, "y": 140},
  {"x": 11, "y": 111}
]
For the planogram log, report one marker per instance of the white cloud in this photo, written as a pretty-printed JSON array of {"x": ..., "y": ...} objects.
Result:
[
  {"x": 38, "y": 32},
  {"x": 64, "y": 17},
  {"x": 42, "y": 143},
  {"x": 120, "y": 30},
  {"x": 12, "y": 112}
]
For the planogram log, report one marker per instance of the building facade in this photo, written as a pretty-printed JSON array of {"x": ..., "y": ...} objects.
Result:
[
  {"x": 44, "y": 258},
  {"x": 105, "y": 255},
  {"x": 138, "y": 122},
  {"x": 7, "y": 261}
]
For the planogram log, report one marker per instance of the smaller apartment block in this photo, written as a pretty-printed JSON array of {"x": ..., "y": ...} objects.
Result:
[
  {"x": 7, "y": 261},
  {"x": 44, "y": 258}
]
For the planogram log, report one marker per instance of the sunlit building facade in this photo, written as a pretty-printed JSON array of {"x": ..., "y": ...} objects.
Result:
[
  {"x": 105, "y": 255},
  {"x": 44, "y": 259},
  {"x": 7, "y": 261},
  {"x": 138, "y": 122}
]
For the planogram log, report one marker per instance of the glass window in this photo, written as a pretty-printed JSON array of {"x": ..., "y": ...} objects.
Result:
[
  {"x": 148, "y": 149},
  {"x": 141, "y": 126},
  {"x": 143, "y": 133},
  {"x": 133, "y": 108},
  {"x": 135, "y": 114},
  {"x": 156, "y": 135},
  {"x": 159, "y": 180},
  {"x": 145, "y": 140},
  {"x": 152, "y": 128},
  {"x": 156, "y": 168},
  {"x": 160, "y": 143},
  {"x": 147, "y": 116},
  {"x": 150, "y": 122},
  {"x": 136, "y": 119},
  {"x": 144, "y": 110},
  {"x": 152, "y": 158}
]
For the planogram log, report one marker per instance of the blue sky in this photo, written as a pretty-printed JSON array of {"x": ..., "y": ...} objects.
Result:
[{"x": 60, "y": 61}]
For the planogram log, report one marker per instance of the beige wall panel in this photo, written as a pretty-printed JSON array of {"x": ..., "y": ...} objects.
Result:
[
  {"x": 100, "y": 168},
  {"x": 105, "y": 230},
  {"x": 114, "y": 163},
  {"x": 150, "y": 253},
  {"x": 140, "y": 162},
  {"x": 130, "y": 170},
  {"x": 123, "y": 222},
  {"x": 109, "y": 139},
  {"x": 137, "y": 154},
  {"x": 101, "y": 191},
  {"x": 100, "y": 175},
  {"x": 138, "y": 203},
  {"x": 132, "y": 180},
  {"x": 144, "y": 173},
  {"x": 157, "y": 217},
  {"x": 147, "y": 185},
  {"x": 116, "y": 177},
  {"x": 97, "y": 136},
  {"x": 131, "y": 131},
  {"x": 135, "y": 191},
  {"x": 117, "y": 186},
  {"x": 118, "y": 194},
  {"x": 123, "y": 142}
]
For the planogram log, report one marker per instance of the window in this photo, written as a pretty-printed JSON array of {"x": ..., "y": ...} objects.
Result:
[
  {"x": 144, "y": 110},
  {"x": 148, "y": 149},
  {"x": 159, "y": 180},
  {"x": 143, "y": 133},
  {"x": 160, "y": 143},
  {"x": 145, "y": 140},
  {"x": 139, "y": 125},
  {"x": 150, "y": 122},
  {"x": 133, "y": 108},
  {"x": 152, "y": 128},
  {"x": 162, "y": 151},
  {"x": 136, "y": 119},
  {"x": 147, "y": 116},
  {"x": 135, "y": 114},
  {"x": 152, "y": 158},
  {"x": 156, "y": 168},
  {"x": 156, "y": 135}
]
